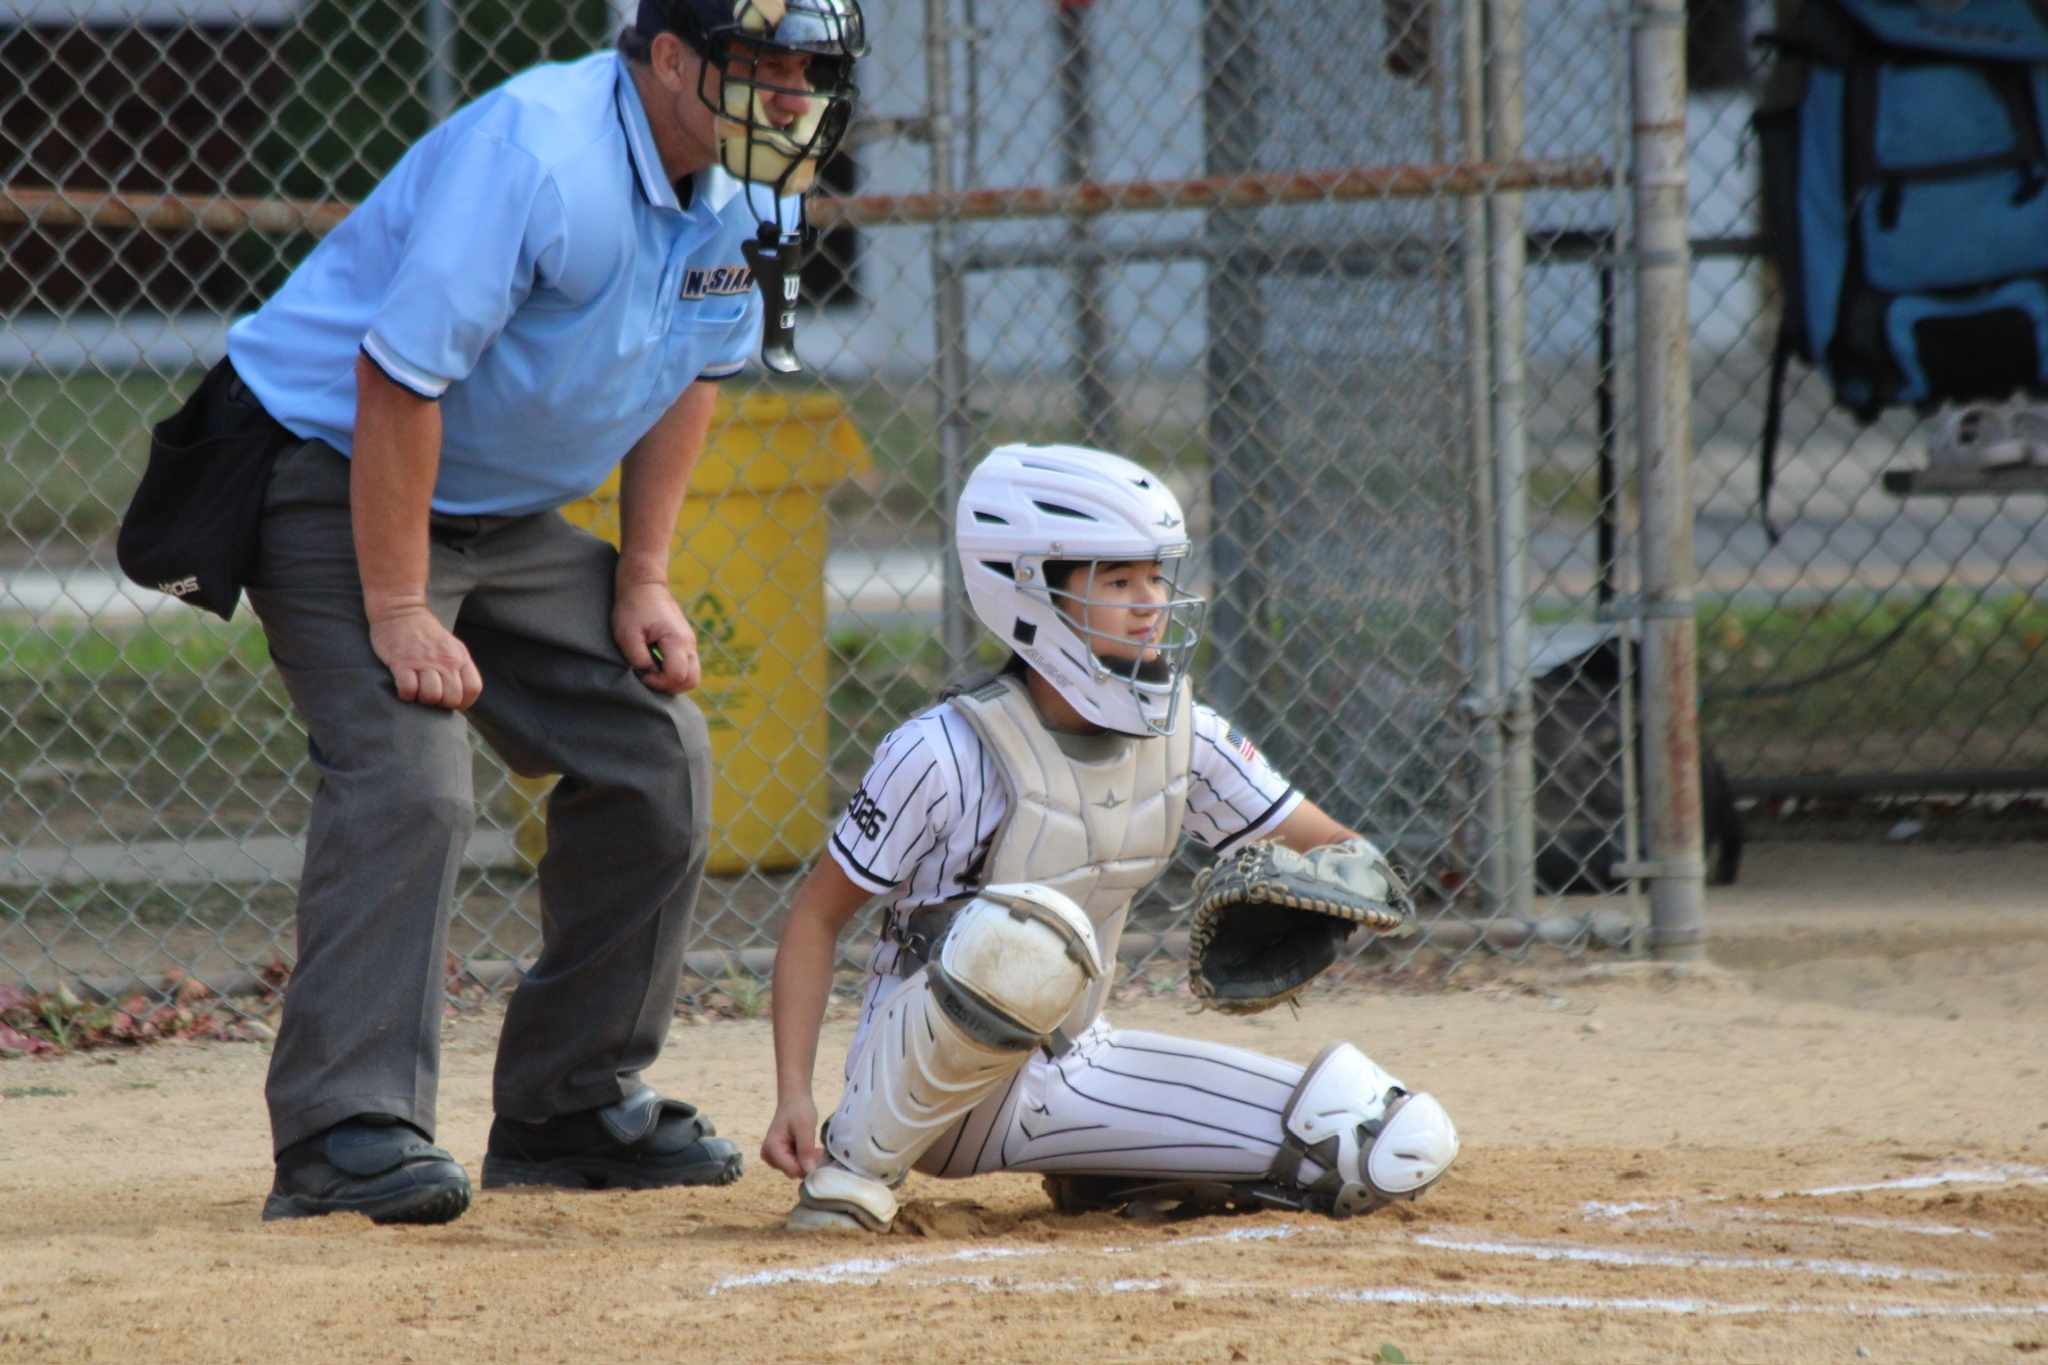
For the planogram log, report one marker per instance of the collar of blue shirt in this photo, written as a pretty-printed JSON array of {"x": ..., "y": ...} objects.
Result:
[{"x": 715, "y": 186}]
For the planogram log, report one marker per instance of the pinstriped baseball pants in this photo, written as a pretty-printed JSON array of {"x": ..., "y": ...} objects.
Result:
[
  {"x": 1127, "y": 1102},
  {"x": 1119, "y": 1102}
]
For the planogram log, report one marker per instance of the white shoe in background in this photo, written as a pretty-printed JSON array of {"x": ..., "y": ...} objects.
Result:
[{"x": 1988, "y": 435}]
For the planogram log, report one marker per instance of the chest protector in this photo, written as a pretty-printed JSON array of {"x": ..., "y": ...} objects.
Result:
[{"x": 1097, "y": 817}]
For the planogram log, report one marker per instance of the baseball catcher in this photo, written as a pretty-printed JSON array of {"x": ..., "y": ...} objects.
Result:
[{"x": 1008, "y": 828}]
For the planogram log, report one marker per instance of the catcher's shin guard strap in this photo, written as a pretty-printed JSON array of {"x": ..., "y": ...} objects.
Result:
[
  {"x": 921, "y": 932},
  {"x": 1167, "y": 1199}
]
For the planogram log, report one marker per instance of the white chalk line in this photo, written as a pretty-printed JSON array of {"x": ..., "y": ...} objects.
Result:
[
  {"x": 1672, "y": 1211},
  {"x": 1493, "y": 1298},
  {"x": 1599, "y": 1208},
  {"x": 868, "y": 1269},
  {"x": 1691, "y": 1260},
  {"x": 2006, "y": 1173},
  {"x": 1903, "y": 1225},
  {"x": 1672, "y": 1214},
  {"x": 1471, "y": 1298}
]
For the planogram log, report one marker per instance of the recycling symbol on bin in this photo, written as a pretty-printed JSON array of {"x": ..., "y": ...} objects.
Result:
[{"x": 709, "y": 619}]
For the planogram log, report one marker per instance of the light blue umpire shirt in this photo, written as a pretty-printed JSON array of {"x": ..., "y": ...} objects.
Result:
[{"x": 527, "y": 264}]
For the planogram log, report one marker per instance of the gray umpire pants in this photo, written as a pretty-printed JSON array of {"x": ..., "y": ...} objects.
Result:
[{"x": 627, "y": 824}]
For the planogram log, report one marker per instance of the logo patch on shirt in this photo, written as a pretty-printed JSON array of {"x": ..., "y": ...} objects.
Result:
[
  {"x": 1241, "y": 744},
  {"x": 865, "y": 815},
  {"x": 699, "y": 282}
]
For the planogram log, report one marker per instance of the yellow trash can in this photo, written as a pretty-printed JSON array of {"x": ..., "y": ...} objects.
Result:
[{"x": 748, "y": 567}]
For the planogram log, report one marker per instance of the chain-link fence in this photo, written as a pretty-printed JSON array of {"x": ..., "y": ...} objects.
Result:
[{"x": 1355, "y": 277}]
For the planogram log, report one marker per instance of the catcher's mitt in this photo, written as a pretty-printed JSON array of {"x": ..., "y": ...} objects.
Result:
[{"x": 1268, "y": 920}]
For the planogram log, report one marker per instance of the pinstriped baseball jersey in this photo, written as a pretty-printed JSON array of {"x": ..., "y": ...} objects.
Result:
[{"x": 919, "y": 827}]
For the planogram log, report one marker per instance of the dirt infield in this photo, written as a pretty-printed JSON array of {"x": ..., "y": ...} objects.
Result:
[{"x": 1831, "y": 1146}]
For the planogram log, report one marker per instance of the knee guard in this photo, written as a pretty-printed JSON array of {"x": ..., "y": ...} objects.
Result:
[
  {"x": 1011, "y": 966},
  {"x": 1375, "y": 1140}
]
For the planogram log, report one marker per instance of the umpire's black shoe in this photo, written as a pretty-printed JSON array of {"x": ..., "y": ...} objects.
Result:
[
  {"x": 643, "y": 1142},
  {"x": 374, "y": 1165}
]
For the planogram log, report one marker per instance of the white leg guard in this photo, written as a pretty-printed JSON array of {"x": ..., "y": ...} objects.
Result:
[
  {"x": 1374, "y": 1139},
  {"x": 1173, "y": 1127},
  {"x": 1011, "y": 966}
]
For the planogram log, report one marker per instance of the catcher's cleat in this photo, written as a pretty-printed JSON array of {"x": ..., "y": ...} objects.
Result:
[
  {"x": 1153, "y": 1199},
  {"x": 643, "y": 1142},
  {"x": 375, "y": 1165},
  {"x": 834, "y": 1199}
]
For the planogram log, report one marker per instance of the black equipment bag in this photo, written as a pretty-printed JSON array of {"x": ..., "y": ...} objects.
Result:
[
  {"x": 1581, "y": 805},
  {"x": 191, "y": 527}
]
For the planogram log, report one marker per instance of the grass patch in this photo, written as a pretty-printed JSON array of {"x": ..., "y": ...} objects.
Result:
[
  {"x": 74, "y": 446},
  {"x": 190, "y": 700},
  {"x": 902, "y": 433},
  {"x": 185, "y": 709},
  {"x": 187, "y": 644},
  {"x": 180, "y": 729},
  {"x": 105, "y": 908},
  {"x": 737, "y": 995},
  {"x": 1961, "y": 632},
  {"x": 1958, "y": 673},
  {"x": 1571, "y": 494},
  {"x": 875, "y": 681}
]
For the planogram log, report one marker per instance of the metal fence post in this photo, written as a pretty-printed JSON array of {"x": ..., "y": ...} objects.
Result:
[
  {"x": 1237, "y": 391},
  {"x": 440, "y": 60},
  {"x": 1480, "y": 645},
  {"x": 1077, "y": 151},
  {"x": 1507, "y": 252},
  {"x": 949, "y": 323},
  {"x": 1675, "y": 867}
]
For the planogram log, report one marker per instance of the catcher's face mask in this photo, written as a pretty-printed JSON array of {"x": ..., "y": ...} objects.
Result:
[
  {"x": 778, "y": 77},
  {"x": 1138, "y": 626},
  {"x": 778, "y": 74}
]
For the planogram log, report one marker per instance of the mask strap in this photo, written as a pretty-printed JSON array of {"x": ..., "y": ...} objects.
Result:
[{"x": 777, "y": 262}]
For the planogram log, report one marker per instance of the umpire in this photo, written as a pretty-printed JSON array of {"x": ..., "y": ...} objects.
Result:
[{"x": 546, "y": 287}]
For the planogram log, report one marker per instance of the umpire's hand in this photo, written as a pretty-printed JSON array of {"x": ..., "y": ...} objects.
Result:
[
  {"x": 429, "y": 665},
  {"x": 655, "y": 637}
]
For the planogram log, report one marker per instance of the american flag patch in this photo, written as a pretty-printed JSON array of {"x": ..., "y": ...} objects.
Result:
[{"x": 1238, "y": 742}]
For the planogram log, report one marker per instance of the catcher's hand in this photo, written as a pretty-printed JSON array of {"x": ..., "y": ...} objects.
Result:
[{"x": 1268, "y": 920}]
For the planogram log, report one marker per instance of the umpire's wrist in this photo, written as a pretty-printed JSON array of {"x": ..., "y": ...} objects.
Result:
[
  {"x": 388, "y": 604},
  {"x": 637, "y": 572}
]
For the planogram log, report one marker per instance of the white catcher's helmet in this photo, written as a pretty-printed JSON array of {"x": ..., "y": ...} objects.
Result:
[{"x": 1024, "y": 506}]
